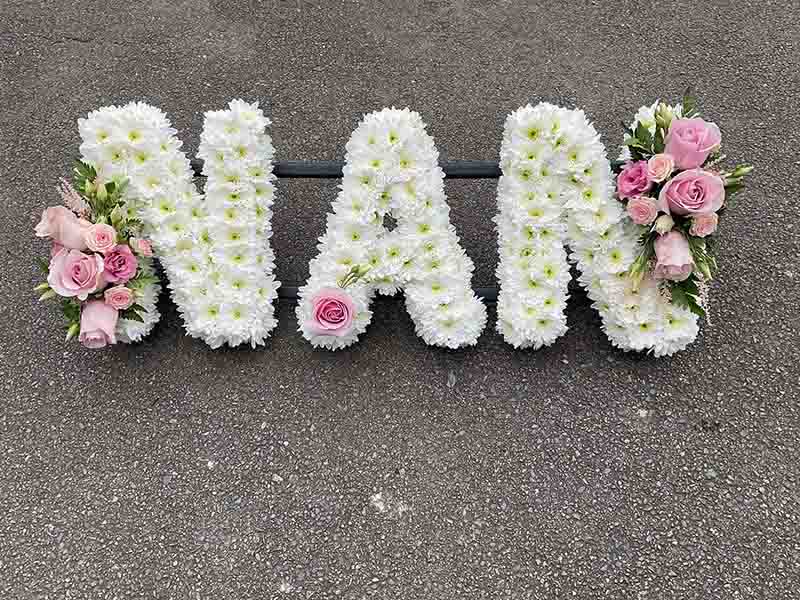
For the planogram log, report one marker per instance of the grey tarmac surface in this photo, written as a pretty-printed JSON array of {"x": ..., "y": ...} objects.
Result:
[{"x": 393, "y": 470}]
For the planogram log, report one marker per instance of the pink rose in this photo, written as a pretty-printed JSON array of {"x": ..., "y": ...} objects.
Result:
[
  {"x": 119, "y": 297},
  {"x": 98, "y": 323},
  {"x": 73, "y": 273},
  {"x": 659, "y": 167},
  {"x": 61, "y": 224},
  {"x": 673, "y": 258},
  {"x": 120, "y": 264},
  {"x": 694, "y": 192},
  {"x": 642, "y": 210},
  {"x": 703, "y": 225},
  {"x": 140, "y": 246},
  {"x": 633, "y": 180},
  {"x": 332, "y": 313},
  {"x": 690, "y": 141},
  {"x": 101, "y": 238}
]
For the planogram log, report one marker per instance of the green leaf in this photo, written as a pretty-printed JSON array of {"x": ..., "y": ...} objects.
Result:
[
  {"x": 733, "y": 188},
  {"x": 131, "y": 315},
  {"x": 83, "y": 172},
  {"x": 658, "y": 141},
  {"x": 637, "y": 152},
  {"x": 690, "y": 286},
  {"x": 680, "y": 297},
  {"x": 645, "y": 137},
  {"x": 43, "y": 264},
  {"x": 141, "y": 280},
  {"x": 696, "y": 308},
  {"x": 72, "y": 310},
  {"x": 689, "y": 104},
  {"x": 617, "y": 165}
]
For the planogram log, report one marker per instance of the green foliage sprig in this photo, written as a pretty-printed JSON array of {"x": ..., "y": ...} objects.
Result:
[
  {"x": 686, "y": 293},
  {"x": 643, "y": 144}
]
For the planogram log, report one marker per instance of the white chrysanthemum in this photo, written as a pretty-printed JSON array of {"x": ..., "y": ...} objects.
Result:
[
  {"x": 557, "y": 187},
  {"x": 214, "y": 247},
  {"x": 392, "y": 168}
]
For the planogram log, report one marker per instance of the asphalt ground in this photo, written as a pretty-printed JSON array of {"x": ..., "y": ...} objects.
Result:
[{"x": 393, "y": 470}]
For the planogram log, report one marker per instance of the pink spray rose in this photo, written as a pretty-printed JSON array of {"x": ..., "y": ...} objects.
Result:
[
  {"x": 694, "y": 192},
  {"x": 63, "y": 227},
  {"x": 673, "y": 258},
  {"x": 121, "y": 264},
  {"x": 119, "y": 297},
  {"x": 659, "y": 167},
  {"x": 73, "y": 273},
  {"x": 333, "y": 312},
  {"x": 141, "y": 246},
  {"x": 703, "y": 225},
  {"x": 101, "y": 238},
  {"x": 633, "y": 180},
  {"x": 690, "y": 141},
  {"x": 98, "y": 322},
  {"x": 642, "y": 210}
]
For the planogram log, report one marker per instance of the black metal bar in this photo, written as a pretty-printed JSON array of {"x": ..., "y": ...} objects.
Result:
[
  {"x": 332, "y": 169},
  {"x": 288, "y": 292}
]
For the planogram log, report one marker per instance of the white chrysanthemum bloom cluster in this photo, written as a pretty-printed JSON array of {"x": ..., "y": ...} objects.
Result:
[
  {"x": 533, "y": 270},
  {"x": 128, "y": 330},
  {"x": 215, "y": 249},
  {"x": 392, "y": 169},
  {"x": 554, "y": 155}
]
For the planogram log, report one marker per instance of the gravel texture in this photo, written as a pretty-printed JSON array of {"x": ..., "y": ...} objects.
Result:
[{"x": 393, "y": 470}]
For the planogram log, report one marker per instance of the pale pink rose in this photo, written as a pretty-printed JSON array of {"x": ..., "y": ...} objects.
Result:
[
  {"x": 690, "y": 141},
  {"x": 642, "y": 209},
  {"x": 120, "y": 264},
  {"x": 119, "y": 297},
  {"x": 703, "y": 225},
  {"x": 98, "y": 324},
  {"x": 73, "y": 273},
  {"x": 101, "y": 238},
  {"x": 694, "y": 192},
  {"x": 63, "y": 227},
  {"x": 673, "y": 258},
  {"x": 633, "y": 180},
  {"x": 141, "y": 246},
  {"x": 659, "y": 167},
  {"x": 55, "y": 249},
  {"x": 333, "y": 312}
]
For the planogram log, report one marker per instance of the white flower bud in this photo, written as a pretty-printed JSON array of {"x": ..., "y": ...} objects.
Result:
[{"x": 664, "y": 224}]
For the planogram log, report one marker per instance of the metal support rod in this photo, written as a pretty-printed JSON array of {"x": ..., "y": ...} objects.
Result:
[
  {"x": 288, "y": 292},
  {"x": 332, "y": 169}
]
